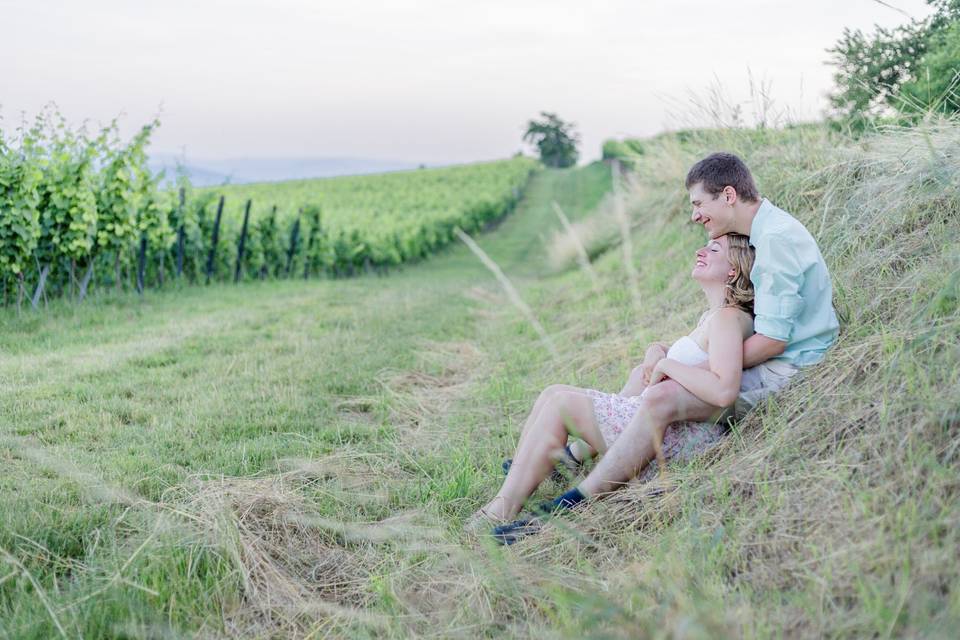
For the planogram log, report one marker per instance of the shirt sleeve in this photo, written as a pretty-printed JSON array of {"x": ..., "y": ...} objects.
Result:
[{"x": 777, "y": 279}]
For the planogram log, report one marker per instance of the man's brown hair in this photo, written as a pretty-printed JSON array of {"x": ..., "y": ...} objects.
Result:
[{"x": 720, "y": 170}]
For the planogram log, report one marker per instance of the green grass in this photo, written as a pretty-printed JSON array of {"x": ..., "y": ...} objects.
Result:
[
  {"x": 139, "y": 398},
  {"x": 296, "y": 459}
]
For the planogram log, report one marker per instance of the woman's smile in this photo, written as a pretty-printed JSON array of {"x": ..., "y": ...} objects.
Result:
[{"x": 711, "y": 261}]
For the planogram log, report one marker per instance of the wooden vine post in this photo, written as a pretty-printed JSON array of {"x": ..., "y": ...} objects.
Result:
[
  {"x": 213, "y": 240},
  {"x": 243, "y": 242},
  {"x": 294, "y": 236},
  {"x": 141, "y": 261},
  {"x": 181, "y": 233}
]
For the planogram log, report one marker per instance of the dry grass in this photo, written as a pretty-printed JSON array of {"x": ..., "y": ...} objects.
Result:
[
  {"x": 420, "y": 401},
  {"x": 841, "y": 491},
  {"x": 509, "y": 289},
  {"x": 832, "y": 511},
  {"x": 302, "y": 572}
]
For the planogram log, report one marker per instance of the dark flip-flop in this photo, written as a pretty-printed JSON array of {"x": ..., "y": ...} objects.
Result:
[{"x": 507, "y": 534}]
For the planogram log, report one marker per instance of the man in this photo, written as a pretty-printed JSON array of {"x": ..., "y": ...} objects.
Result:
[{"x": 795, "y": 323}]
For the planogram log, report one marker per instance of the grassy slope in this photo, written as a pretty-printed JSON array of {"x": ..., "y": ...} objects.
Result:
[
  {"x": 127, "y": 401},
  {"x": 392, "y": 401}
]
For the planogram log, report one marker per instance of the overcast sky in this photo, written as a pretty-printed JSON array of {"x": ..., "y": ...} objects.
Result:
[{"x": 434, "y": 81}]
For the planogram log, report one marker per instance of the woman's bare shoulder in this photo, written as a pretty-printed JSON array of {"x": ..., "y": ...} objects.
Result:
[{"x": 734, "y": 317}]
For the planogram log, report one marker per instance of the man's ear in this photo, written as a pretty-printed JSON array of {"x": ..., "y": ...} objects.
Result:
[{"x": 729, "y": 194}]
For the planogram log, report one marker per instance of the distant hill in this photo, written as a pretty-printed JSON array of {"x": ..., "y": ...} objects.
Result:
[{"x": 211, "y": 172}]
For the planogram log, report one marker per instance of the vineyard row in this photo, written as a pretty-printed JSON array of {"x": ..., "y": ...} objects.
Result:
[{"x": 78, "y": 212}]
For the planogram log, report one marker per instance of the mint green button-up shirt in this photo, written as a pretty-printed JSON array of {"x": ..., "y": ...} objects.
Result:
[{"x": 794, "y": 297}]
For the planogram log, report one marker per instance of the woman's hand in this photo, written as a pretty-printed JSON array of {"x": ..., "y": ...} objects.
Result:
[
  {"x": 658, "y": 373},
  {"x": 719, "y": 384},
  {"x": 655, "y": 353},
  {"x": 640, "y": 376}
]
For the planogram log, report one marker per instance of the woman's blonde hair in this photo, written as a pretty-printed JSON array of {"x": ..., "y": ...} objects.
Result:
[{"x": 739, "y": 290}]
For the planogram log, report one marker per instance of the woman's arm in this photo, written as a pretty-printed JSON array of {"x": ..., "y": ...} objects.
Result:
[
  {"x": 720, "y": 384},
  {"x": 640, "y": 375}
]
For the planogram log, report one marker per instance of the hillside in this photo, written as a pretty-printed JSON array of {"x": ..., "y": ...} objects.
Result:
[{"x": 296, "y": 459}]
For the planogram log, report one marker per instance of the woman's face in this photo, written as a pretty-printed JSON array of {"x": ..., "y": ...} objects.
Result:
[{"x": 712, "y": 262}]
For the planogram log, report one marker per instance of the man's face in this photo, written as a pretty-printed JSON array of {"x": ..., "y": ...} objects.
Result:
[{"x": 713, "y": 211}]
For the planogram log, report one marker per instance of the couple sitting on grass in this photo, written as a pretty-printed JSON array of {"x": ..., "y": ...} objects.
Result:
[{"x": 770, "y": 313}]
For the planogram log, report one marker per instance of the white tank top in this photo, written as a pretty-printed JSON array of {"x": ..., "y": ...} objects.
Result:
[{"x": 687, "y": 351}]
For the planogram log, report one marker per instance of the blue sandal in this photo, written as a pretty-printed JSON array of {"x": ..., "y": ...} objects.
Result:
[
  {"x": 507, "y": 534},
  {"x": 533, "y": 522}
]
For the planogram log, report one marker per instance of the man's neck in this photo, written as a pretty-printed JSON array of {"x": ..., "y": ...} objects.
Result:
[{"x": 743, "y": 215}]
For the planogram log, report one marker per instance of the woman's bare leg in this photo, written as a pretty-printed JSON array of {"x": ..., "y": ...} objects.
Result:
[
  {"x": 546, "y": 434},
  {"x": 580, "y": 448},
  {"x": 635, "y": 384},
  {"x": 542, "y": 399},
  {"x": 641, "y": 441}
]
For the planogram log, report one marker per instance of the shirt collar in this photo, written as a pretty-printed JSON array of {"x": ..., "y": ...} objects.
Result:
[{"x": 763, "y": 213}]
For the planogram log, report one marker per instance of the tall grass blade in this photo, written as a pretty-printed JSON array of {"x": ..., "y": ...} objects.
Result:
[
  {"x": 509, "y": 289},
  {"x": 582, "y": 256},
  {"x": 621, "y": 215}
]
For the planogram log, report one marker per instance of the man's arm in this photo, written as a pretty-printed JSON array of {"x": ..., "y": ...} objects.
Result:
[
  {"x": 777, "y": 302},
  {"x": 759, "y": 348}
]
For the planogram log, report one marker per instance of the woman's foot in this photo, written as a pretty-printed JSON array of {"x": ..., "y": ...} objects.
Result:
[
  {"x": 492, "y": 514},
  {"x": 480, "y": 521},
  {"x": 532, "y": 522}
]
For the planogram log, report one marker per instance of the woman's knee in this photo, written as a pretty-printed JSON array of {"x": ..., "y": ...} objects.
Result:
[
  {"x": 558, "y": 394},
  {"x": 637, "y": 378},
  {"x": 662, "y": 400},
  {"x": 562, "y": 401}
]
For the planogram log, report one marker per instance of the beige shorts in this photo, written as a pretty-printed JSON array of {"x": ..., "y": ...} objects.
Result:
[{"x": 757, "y": 384}]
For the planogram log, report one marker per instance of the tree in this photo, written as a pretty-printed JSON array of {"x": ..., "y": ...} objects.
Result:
[
  {"x": 555, "y": 139},
  {"x": 872, "y": 69},
  {"x": 936, "y": 86}
]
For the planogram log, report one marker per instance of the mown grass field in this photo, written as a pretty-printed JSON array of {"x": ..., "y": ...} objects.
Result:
[{"x": 296, "y": 459}]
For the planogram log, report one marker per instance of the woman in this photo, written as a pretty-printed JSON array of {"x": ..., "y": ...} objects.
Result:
[{"x": 563, "y": 412}]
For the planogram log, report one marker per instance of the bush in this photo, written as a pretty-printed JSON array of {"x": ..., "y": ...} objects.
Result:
[
  {"x": 873, "y": 70},
  {"x": 935, "y": 83}
]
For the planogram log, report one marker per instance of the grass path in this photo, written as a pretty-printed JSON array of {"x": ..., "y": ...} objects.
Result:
[{"x": 139, "y": 397}]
